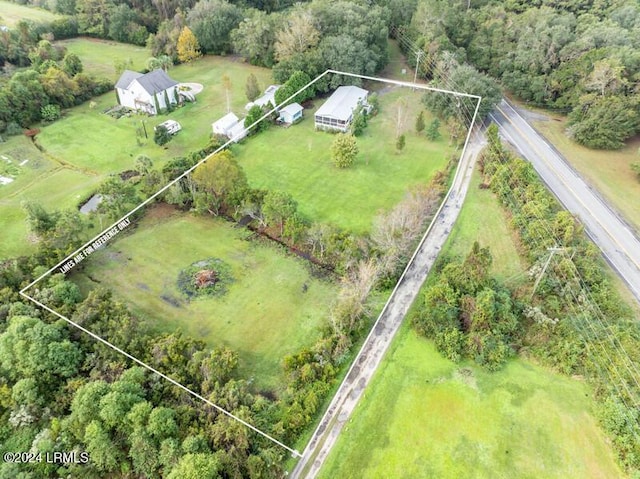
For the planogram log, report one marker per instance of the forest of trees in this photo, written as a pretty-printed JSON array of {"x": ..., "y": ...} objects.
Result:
[{"x": 577, "y": 56}]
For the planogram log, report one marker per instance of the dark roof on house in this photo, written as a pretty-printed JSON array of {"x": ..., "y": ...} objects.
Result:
[
  {"x": 126, "y": 78},
  {"x": 152, "y": 82},
  {"x": 156, "y": 81}
]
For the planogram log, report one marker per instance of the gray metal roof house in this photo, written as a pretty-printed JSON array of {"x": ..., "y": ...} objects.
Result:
[
  {"x": 337, "y": 112},
  {"x": 143, "y": 91}
]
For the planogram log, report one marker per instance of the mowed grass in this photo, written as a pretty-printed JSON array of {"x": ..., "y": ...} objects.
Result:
[
  {"x": 90, "y": 140},
  {"x": 608, "y": 171},
  {"x": 37, "y": 179},
  {"x": 12, "y": 13},
  {"x": 483, "y": 219},
  {"x": 424, "y": 417},
  {"x": 99, "y": 57},
  {"x": 298, "y": 160},
  {"x": 265, "y": 314}
]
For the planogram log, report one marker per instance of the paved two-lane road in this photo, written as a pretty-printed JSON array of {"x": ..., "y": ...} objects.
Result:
[{"x": 618, "y": 243}]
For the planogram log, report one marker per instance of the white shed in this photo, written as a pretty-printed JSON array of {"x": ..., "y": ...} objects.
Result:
[
  {"x": 224, "y": 124},
  {"x": 291, "y": 113},
  {"x": 267, "y": 97}
]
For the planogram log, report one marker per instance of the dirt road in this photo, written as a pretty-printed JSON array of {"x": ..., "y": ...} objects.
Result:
[{"x": 390, "y": 319}]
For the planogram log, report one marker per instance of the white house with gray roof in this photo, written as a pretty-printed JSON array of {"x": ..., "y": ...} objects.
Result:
[
  {"x": 136, "y": 90},
  {"x": 337, "y": 112}
]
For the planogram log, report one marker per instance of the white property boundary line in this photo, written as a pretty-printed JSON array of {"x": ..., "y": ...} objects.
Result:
[
  {"x": 23, "y": 291},
  {"x": 321, "y": 423}
]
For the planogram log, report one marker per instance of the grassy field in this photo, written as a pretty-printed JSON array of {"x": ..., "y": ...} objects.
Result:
[
  {"x": 86, "y": 145},
  {"x": 424, "y": 416},
  {"x": 297, "y": 160},
  {"x": 264, "y": 315},
  {"x": 90, "y": 140},
  {"x": 12, "y": 13},
  {"x": 99, "y": 57},
  {"x": 482, "y": 219},
  {"x": 608, "y": 171},
  {"x": 36, "y": 178}
]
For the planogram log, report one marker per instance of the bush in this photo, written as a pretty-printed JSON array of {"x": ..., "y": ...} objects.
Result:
[
  {"x": 13, "y": 129},
  {"x": 50, "y": 112},
  {"x": 209, "y": 277},
  {"x": 161, "y": 135}
]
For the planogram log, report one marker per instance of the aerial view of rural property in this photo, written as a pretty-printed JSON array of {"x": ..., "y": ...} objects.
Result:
[{"x": 320, "y": 239}]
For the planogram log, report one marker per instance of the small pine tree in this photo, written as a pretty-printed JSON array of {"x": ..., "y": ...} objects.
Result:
[
  {"x": 161, "y": 135},
  {"x": 433, "y": 132},
  {"x": 400, "y": 142},
  {"x": 167, "y": 102},
  {"x": 420, "y": 122},
  {"x": 188, "y": 47},
  {"x": 157, "y": 103},
  {"x": 176, "y": 97},
  {"x": 252, "y": 89}
]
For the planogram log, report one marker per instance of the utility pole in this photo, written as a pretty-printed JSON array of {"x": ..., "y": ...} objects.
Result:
[
  {"x": 551, "y": 251},
  {"x": 415, "y": 75}
]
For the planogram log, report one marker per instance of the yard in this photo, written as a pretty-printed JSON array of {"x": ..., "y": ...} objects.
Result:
[
  {"x": 297, "y": 160},
  {"x": 274, "y": 306},
  {"x": 424, "y": 416},
  {"x": 85, "y": 146},
  {"x": 35, "y": 178},
  {"x": 11, "y": 13},
  {"x": 91, "y": 140}
]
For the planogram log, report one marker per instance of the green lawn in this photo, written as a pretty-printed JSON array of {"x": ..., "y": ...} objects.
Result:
[
  {"x": 482, "y": 219},
  {"x": 99, "y": 57},
  {"x": 90, "y": 140},
  {"x": 89, "y": 145},
  {"x": 11, "y": 13},
  {"x": 297, "y": 160},
  {"x": 608, "y": 171},
  {"x": 424, "y": 416},
  {"x": 264, "y": 315},
  {"x": 36, "y": 178}
]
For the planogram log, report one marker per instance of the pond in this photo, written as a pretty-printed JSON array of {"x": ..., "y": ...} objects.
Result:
[{"x": 91, "y": 204}]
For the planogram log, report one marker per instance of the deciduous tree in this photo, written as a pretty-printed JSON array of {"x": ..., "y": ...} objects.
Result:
[
  {"x": 188, "y": 48},
  {"x": 344, "y": 150}
]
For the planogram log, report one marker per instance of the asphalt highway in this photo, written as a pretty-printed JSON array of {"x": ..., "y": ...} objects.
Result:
[{"x": 617, "y": 241}]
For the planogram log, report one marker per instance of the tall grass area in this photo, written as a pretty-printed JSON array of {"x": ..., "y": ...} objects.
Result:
[
  {"x": 273, "y": 308},
  {"x": 298, "y": 160},
  {"x": 608, "y": 171},
  {"x": 424, "y": 416},
  {"x": 11, "y": 13}
]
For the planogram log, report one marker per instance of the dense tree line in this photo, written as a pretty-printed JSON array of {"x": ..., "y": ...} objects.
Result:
[
  {"x": 54, "y": 81},
  {"x": 580, "y": 57}
]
